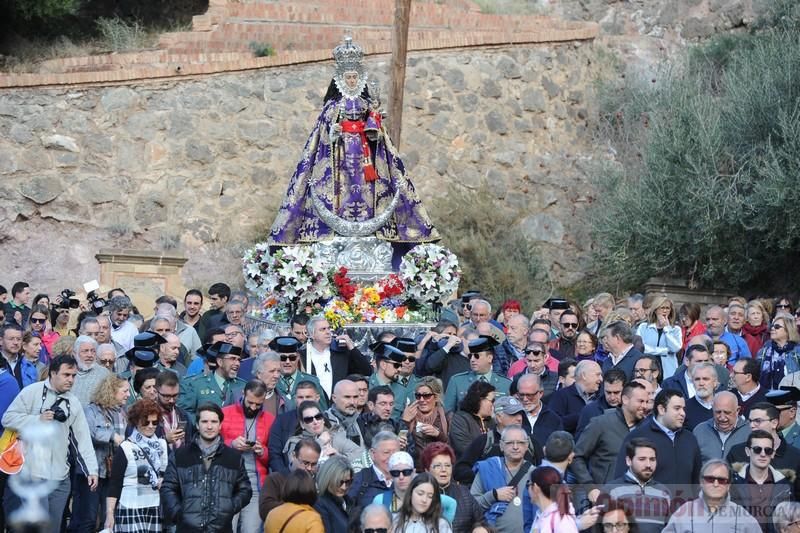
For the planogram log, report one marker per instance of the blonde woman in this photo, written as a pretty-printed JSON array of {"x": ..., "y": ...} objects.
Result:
[
  {"x": 660, "y": 334},
  {"x": 755, "y": 330},
  {"x": 425, "y": 416},
  {"x": 780, "y": 356}
]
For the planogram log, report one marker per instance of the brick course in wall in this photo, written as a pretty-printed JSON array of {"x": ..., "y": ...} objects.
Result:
[{"x": 301, "y": 32}]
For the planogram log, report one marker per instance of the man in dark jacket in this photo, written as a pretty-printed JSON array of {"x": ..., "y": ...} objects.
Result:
[
  {"x": 757, "y": 485},
  {"x": 539, "y": 421},
  {"x": 611, "y": 397},
  {"x": 597, "y": 448},
  {"x": 682, "y": 380},
  {"x": 206, "y": 483},
  {"x": 674, "y": 445},
  {"x": 618, "y": 340},
  {"x": 568, "y": 402},
  {"x": 765, "y": 416},
  {"x": 372, "y": 481}
]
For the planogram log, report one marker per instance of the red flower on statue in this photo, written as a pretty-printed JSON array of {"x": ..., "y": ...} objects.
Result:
[
  {"x": 344, "y": 285},
  {"x": 391, "y": 286}
]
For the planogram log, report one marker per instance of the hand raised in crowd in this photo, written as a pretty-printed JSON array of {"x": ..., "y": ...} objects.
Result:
[
  {"x": 347, "y": 340},
  {"x": 409, "y": 413},
  {"x": 589, "y": 517},
  {"x": 175, "y": 435},
  {"x": 428, "y": 430}
]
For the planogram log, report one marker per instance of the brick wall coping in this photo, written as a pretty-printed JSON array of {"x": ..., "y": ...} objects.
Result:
[
  {"x": 180, "y": 65},
  {"x": 139, "y": 257}
]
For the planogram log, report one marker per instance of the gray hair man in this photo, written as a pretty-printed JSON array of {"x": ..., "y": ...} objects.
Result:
[{"x": 90, "y": 374}]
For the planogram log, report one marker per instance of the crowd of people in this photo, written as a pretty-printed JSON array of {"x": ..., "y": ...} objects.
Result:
[{"x": 618, "y": 415}]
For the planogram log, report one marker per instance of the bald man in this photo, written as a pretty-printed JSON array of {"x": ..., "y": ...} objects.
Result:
[
  {"x": 569, "y": 401},
  {"x": 725, "y": 429}
]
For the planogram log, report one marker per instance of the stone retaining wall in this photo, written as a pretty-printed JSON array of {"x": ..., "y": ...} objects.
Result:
[{"x": 197, "y": 167}]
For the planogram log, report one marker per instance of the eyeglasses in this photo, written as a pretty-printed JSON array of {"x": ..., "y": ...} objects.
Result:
[
  {"x": 533, "y": 352},
  {"x": 309, "y": 464},
  {"x": 291, "y": 358},
  {"x": 346, "y": 482},
  {"x": 375, "y": 530},
  {"x": 758, "y": 450},
  {"x": 776, "y": 326},
  {"x": 152, "y": 423},
  {"x": 424, "y": 395},
  {"x": 38, "y": 320},
  {"x": 712, "y": 479},
  {"x": 168, "y": 396},
  {"x": 569, "y": 325},
  {"x": 109, "y": 363},
  {"x": 405, "y": 472},
  {"x": 643, "y": 370},
  {"x": 309, "y": 419},
  {"x": 620, "y": 526},
  {"x": 441, "y": 466}
]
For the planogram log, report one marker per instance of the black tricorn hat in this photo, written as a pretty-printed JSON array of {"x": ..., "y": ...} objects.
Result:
[
  {"x": 484, "y": 343},
  {"x": 391, "y": 353},
  {"x": 225, "y": 348},
  {"x": 786, "y": 395},
  {"x": 142, "y": 357},
  {"x": 556, "y": 303},
  {"x": 285, "y": 344},
  {"x": 469, "y": 295},
  {"x": 404, "y": 344},
  {"x": 148, "y": 339}
]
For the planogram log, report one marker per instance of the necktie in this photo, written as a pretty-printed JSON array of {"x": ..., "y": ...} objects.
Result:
[
  {"x": 289, "y": 381},
  {"x": 225, "y": 390},
  {"x": 483, "y": 378}
]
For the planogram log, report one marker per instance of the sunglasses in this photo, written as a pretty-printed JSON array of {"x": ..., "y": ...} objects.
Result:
[
  {"x": 38, "y": 320},
  {"x": 423, "y": 395},
  {"x": 309, "y": 419},
  {"x": 758, "y": 450},
  {"x": 784, "y": 306},
  {"x": 110, "y": 363},
  {"x": 291, "y": 358},
  {"x": 346, "y": 482},
  {"x": 153, "y": 423},
  {"x": 395, "y": 364},
  {"x": 776, "y": 326},
  {"x": 468, "y": 307},
  {"x": 410, "y": 359},
  {"x": 405, "y": 472},
  {"x": 533, "y": 352},
  {"x": 721, "y": 480},
  {"x": 476, "y": 355},
  {"x": 570, "y": 325},
  {"x": 375, "y": 530}
]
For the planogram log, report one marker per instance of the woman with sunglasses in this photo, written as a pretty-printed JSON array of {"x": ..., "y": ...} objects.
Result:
[
  {"x": 780, "y": 355},
  {"x": 438, "y": 460},
  {"x": 107, "y": 420},
  {"x": 39, "y": 325},
  {"x": 133, "y": 503},
  {"x": 426, "y": 419},
  {"x": 312, "y": 423},
  {"x": 421, "y": 511},
  {"x": 333, "y": 481},
  {"x": 401, "y": 468},
  {"x": 783, "y": 305},
  {"x": 475, "y": 416}
]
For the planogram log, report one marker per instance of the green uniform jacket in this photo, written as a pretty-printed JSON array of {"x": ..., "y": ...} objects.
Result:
[
  {"x": 458, "y": 385},
  {"x": 289, "y": 395},
  {"x": 201, "y": 389}
]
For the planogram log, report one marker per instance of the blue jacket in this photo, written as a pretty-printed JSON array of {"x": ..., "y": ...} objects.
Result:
[
  {"x": 9, "y": 388},
  {"x": 334, "y": 517},
  {"x": 737, "y": 344},
  {"x": 283, "y": 428}
]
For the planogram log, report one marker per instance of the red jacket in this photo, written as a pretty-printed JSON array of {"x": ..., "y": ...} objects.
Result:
[{"x": 233, "y": 426}]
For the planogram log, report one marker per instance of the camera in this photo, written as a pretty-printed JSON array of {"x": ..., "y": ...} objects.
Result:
[
  {"x": 250, "y": 443},
  {"x": 59, "y": 414},
  {"x": 67, "y": 299},
  {"x": 97, "y": 303}
]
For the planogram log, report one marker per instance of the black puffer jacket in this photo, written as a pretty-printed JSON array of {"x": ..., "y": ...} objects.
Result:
[{"x": 200, "y": 500}]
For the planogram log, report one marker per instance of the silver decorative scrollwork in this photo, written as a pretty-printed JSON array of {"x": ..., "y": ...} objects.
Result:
[{"x": 350, "y": 228}]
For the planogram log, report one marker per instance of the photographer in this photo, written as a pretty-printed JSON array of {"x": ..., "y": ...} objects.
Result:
[{"x": 51, "y": 400}]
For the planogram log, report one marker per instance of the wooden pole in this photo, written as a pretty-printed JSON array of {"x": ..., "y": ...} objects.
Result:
[{"x": 402, "y": 15}]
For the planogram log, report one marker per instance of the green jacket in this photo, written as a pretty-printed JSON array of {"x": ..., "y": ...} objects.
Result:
[
  {"x": 201, "y": 389},
  {"x": 458, "y": 385},
  {"x": 289, "y": 395}
]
